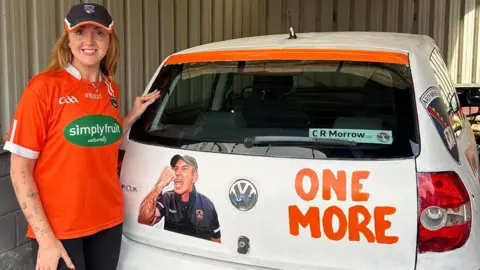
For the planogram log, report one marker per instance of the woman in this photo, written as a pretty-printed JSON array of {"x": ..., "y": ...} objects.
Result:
[{"x": 64, "y": 141}]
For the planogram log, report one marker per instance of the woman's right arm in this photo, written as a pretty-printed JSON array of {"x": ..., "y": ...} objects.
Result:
[
  {"x": 50, "y": 248},
  {"x": 21, "y": 172}
]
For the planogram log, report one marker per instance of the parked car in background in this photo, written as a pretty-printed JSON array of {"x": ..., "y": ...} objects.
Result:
[{"x": 326, "y": 151}]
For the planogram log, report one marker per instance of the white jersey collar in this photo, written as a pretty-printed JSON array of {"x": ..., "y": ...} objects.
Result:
[{"x": 75, "y": 73}]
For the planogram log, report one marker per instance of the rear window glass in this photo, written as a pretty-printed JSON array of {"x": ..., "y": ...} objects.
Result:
[{"x": 297, "y": 109}]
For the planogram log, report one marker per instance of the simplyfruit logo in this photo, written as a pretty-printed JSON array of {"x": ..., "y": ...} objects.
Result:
[{"x": 93, "y": 131}]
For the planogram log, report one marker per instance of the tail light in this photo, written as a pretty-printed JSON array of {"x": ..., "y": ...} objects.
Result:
[
  {"x": 445, "y": 212},
  {"x": 121, "y": 154}
]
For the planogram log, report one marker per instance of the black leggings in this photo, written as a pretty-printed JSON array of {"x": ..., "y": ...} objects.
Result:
[{"x": 99, "y": 251}]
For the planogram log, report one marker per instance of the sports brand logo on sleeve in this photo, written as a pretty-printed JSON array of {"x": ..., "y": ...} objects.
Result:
[{"x": 93, "y": 131}]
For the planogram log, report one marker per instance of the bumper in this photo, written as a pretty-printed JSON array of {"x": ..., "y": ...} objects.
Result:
[
  {"x": 459, "y": 259},
  {"x": 138, "y": 256}
]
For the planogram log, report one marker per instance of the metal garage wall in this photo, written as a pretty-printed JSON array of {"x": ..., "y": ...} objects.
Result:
[
  {"x": 453, "y": 24},
  {"x": 149, "y": 30}
]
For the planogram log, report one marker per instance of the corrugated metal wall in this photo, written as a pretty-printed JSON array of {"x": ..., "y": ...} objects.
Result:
[{"x": 149, "y": 30}]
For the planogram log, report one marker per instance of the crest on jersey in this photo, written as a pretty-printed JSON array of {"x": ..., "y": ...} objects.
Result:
[
  {"x": 113, "y": 101},
  {"x": 199, "y": 214}
]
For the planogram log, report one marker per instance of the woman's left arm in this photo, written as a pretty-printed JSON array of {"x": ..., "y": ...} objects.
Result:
[{"x": 127, "y": 123}]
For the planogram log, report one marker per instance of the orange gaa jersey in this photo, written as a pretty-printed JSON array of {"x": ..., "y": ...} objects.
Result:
[{"x": 74, "y": 133}]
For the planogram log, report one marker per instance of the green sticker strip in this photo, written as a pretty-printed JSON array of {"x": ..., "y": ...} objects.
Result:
[{"x": 356, "y": 135}]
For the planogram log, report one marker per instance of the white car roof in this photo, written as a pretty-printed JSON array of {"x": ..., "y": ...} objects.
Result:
[{"x": 385, "y": 41}]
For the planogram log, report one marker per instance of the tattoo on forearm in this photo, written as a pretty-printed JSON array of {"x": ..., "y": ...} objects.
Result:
[
  {"x": 36, "y": 210},
  {"x": 45, "y": 231},
  {"x": 31, "y": 194},
  {"x": 147, "y": 210},
  {"x": 36, "y": 229},
  {"x": 24, "y": 206}
]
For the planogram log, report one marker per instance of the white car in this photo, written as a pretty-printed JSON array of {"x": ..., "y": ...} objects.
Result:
[{"x": 325, "y": 151}]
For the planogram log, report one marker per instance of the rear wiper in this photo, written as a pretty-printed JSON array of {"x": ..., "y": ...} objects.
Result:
[{"x": 249, "y": 142}]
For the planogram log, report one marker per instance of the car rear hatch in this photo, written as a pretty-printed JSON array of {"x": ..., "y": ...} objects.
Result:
[{"x": 298, "y": 164}]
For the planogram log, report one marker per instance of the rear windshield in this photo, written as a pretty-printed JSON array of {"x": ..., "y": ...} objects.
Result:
[{"x": 296, "y": 109}]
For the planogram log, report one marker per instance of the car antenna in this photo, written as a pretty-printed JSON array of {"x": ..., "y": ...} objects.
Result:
[{"x": 293, "y": 35}]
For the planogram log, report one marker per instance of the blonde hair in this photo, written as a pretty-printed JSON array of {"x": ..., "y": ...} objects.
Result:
[{"x": 62, "y": 55}]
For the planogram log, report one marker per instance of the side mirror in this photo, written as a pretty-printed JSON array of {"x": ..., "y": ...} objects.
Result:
[
  {"x": 472, "y": 97},
  {"x": 469, "y": 96}
]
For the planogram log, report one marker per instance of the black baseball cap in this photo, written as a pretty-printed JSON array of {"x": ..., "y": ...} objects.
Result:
[
  {"x": 89, "y": 13},
  {"x": 188, "y": 159}
]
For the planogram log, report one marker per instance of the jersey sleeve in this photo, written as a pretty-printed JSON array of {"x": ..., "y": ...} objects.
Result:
[{"x": 28, "y": 131}]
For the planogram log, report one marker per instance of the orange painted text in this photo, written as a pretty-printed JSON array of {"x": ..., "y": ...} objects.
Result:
[{"x": 351, "y": 224}]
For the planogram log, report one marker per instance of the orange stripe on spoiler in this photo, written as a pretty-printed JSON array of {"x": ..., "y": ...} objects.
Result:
[{"x": 290, "y": 54}]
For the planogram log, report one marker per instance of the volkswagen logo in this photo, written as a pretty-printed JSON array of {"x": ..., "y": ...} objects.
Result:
[{"x": 243, "y": 195}]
